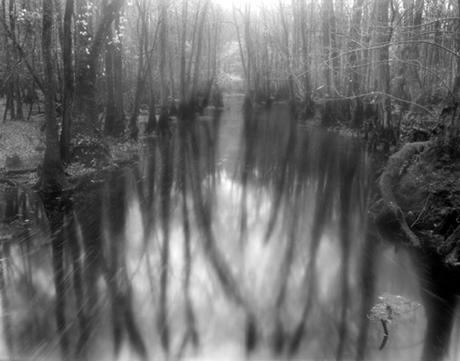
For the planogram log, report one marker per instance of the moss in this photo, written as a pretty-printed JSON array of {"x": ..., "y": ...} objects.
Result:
[{"x": 426, "y": 187}]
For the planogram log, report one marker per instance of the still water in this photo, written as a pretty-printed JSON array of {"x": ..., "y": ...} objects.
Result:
[{"x": 239, "y": 237}]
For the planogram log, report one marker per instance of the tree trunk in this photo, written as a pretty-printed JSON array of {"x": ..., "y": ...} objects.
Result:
[
  {"x": 410, "y": 54},
  {"x": 288, "y": 54},
  {"x": 15, "y": 86},
  {"x": 329, "y": 46},
  {"x": 87, "y": 74},
  {"x": 381, "y": 40},
  {"x": 140, "y": 81},
  {"x": 52, "y": 177},
  {"x": 183, "y": 85},
  {"x": 196, "y": 69},
  {"x": 456, "y": 87},
  {"x": 118, "y": 80},
  {"x": 110, "y": 113},
  {"x": 114, "y": 117},
  {"x": 354, "y": 77},
  {"x": 163, "y": 45},
  {"x": 66, "y": 131},
  {"x": 309, "y": 105}
]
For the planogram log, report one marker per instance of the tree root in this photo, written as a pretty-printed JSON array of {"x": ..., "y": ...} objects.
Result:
[
  {"x": 389, "y": 179},
  {"x": 450, "y": 248}
]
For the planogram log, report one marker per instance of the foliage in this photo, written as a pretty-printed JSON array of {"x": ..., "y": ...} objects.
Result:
[
  {"x": 124, "y": 150},
  {"x": 78, "y": 169}
]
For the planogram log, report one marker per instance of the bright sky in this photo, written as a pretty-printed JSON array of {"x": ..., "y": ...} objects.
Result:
[{"x": 227, "y": 4}]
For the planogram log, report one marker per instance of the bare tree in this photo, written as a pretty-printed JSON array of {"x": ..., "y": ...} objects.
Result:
[{"x": 52, "y": 177}]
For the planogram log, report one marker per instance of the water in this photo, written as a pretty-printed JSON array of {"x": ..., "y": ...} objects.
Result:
[{"x": 237, "y": 238}]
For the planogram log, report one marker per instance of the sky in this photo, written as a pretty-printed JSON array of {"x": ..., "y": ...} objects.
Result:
[{"x": 239, "y": 3}]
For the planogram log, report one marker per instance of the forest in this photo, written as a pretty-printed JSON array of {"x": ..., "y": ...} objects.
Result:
[
  {"x": 372, "y": 64},
  {"x": 231, "y": 180}
]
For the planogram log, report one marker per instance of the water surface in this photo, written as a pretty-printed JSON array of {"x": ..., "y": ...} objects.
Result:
[{"x": 239, "y": 237}]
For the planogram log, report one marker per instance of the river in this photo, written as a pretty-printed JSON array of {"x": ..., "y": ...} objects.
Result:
[{"x": 239, "y": 237}]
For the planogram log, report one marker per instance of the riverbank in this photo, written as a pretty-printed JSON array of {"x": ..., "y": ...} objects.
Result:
[{"x": 22, "y": 146}]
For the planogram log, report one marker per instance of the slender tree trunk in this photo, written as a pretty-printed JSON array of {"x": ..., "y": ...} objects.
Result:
[
  {"x": 190, "y": 62},
  {"x": 140, "y": 81},
  {"x": 118, "y": 79},
  {"x": 163, "y": 49},
  {"x": 288, "y": 54},
  {"x": 114, "y": 119},
  {"x": 196, "y": 70},
  {"x": 355, "y": 77},
  {"x": 329, "y": 46},
  {"x": 110, "y": 112},
  {"x": 242, "y": 55},
  {"x": 453, "y": 129},
  {"x": 15, "y": 86},
  {"x": 309, "y": 105},
  {"x": 456, "y": 87},
  {"x": 183, "y": 76},
  {"x": 410, "y": 54},
  {"x": 66, "y": 132},
  {"x": 183, "y": 85},
  {"x": 382, "y": 35}
]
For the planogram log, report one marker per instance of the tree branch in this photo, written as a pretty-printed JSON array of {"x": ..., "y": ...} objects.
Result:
[{"x": 23, "y": 55}]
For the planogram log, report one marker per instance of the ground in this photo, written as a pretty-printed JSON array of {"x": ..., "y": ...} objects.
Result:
[
  {"x": 22, "y": 146},
  {"x": 21, "y": 139}
]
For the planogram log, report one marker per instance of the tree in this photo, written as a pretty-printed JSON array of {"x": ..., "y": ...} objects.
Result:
[
  {"x": 354, "y": 71},
  {"x": 305, "y": 60},
  {"x": 410, "y": 53},
  {"x": 114, "y": 116},
  {"x": 68, "y": 88},
  {"x": 381, "y": 36},
  {"x": 52, "y": 177},
  {"x": 329, "y": 47},
  {"x": 88, "y": 63}
]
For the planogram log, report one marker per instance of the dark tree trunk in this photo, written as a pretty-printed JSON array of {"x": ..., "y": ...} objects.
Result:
[
  {"x": 381, "y": 40},
  {"x": 52, "y": 177},
  {"x": 196, "y": 70},
  {"x": 66, "y": 131},
  {"x": 410, "y": 54},
  {"x": 140, "y": 81},
  {"x": 110, "y": 113},
  {"x": 115, "y": 126},
  {"x": 87, "y": 74}
]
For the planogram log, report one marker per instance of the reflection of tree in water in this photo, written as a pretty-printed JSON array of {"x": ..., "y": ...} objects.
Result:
[
  {"x": 284, "y": 249},
  {"x": 291, "y": 165}
]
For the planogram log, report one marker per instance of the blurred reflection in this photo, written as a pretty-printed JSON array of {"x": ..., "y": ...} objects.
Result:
[{"x": 240, "y": 235}]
